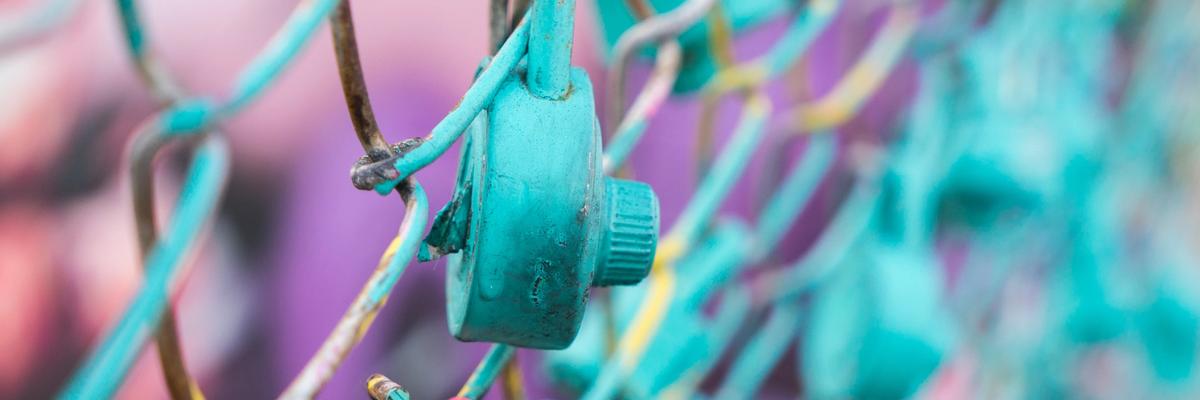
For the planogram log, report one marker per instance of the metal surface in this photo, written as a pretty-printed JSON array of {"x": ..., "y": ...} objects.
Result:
[
  {"x": 379, "y": 387},
  {"x": 521, "y": 277}
]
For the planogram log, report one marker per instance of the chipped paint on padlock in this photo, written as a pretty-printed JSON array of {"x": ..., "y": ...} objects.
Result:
[{"x": 534, "y": 223}]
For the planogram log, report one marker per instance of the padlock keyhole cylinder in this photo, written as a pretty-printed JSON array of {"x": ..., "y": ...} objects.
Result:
[{"x": 535, "y": 223}]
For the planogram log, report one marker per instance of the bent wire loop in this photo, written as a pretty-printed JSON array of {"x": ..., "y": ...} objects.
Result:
[
  {"x": 652, "y": 95},
  {"x": 145, "y": 147},
  {"x": 663, "y": 29},
  {"x": 107, "y": 366}
]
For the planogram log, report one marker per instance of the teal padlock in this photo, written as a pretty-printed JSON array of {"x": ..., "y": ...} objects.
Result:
[
  {"x": 876, "y": 329},
  {"x": 534, "y": 223},
  {"x": 698, "y": 62}
]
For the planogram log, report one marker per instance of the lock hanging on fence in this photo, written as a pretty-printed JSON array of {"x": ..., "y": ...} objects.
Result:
[{"x": 534, "y": 223}]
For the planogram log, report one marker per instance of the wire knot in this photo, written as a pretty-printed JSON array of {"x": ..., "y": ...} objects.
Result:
[{"x": 379, "y": 172}]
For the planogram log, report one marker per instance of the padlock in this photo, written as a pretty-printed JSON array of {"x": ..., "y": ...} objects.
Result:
[
  {"x": 698, "y": 61},
  {"x": 1168, "y": 323},
  {"x": 534, "y": 222},
  {"x": 876, "y": 329}
]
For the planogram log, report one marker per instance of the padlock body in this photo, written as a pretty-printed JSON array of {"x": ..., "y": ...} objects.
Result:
[
  {"x": 531, "y": 170},
  {"x": 876, "y": 330}
]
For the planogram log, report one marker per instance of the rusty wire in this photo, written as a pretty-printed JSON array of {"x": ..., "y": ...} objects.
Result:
[
  {"x": 354, "y": 86},
  {"x": 145, "y": 146},
  {"x": 497, "y": 24},
  {"x": 358, "y": 319}
]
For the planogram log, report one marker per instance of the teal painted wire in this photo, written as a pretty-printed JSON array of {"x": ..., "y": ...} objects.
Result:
[
  {"x": 132, "y": 26},
  {"x": 762, "y": 353},
  {"x": 282, "y": 48},
  {"x": 153, "y": 74},
  {"x": 607, "y": 383},
  {"x": 713, "y": 189},
  {"x": 794, "y": 193},
  {"x": 809, "y": 23},
  {"x": 361, "y": 313},
  {"x": 261, "y": 71},
  {"x": 398, "y": 394},
  {"x": 770, "y": 342},
  {"x": 404, "y": 254},
  {"x": 32, "y": 24},
  {"x": 485, "y": 374},
  {"x": 623, "y": 142},
  {"x": 633, "y": 124},
  {"x": 725, "y": 171},
  {"x": 105, "y": 369},
  {"x": 731, "y": 314},
  {"x": 477, "y": 97},
  {"x": 846, "y": 228}
]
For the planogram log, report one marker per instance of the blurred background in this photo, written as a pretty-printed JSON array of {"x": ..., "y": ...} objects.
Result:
[{"x": 1051, "y": 146}]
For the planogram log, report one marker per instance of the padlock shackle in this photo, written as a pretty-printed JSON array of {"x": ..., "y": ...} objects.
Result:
[{"x": 552, "y": 31}]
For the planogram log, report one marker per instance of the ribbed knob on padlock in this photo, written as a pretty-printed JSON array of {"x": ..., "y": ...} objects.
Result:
[{"x": 630, "y": 235}]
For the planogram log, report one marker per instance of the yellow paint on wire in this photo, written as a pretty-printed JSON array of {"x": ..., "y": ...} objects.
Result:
[
  {"x": 720, "y": 33},
  {"x": 651, "y": 312},
  {"x": 841, "y": 103},
  {"x": 514, "y": 382}
]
